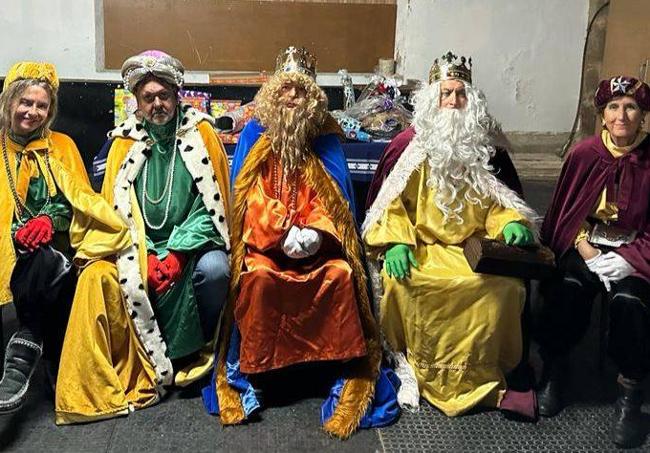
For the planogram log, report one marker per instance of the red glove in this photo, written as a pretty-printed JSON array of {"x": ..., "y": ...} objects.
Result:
[
  {"x": 36, "y": 232},
  {"x": 172, "y": 269},
  {"x": 155, "y": 276}
]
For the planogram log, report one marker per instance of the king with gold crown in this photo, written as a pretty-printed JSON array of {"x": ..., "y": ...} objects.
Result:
[
  {"x": 452, "y": 334},
  {"x": 299, "y": 304}
]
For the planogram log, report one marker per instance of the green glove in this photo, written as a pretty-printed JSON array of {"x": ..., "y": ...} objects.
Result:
[
  {"x": 399, "y": 259},
  {"x": 517, "y": 234}
]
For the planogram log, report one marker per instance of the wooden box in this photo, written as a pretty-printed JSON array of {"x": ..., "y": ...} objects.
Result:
[{"x": 488, "y": 256}]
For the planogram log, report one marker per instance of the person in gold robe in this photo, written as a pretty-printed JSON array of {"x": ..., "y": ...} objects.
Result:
[
  {"x": 298, "y": 292},
  {"x": 148, "y": 317},
  {"x": 48, "y": 214},
  {"x": 452, "y": 333}
]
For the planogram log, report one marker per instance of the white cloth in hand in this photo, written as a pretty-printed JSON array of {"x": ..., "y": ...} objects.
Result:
[
  {"x": 292, "y": 244},
  {"x": 310, "y": 240},
  {"x": 614, "y": 267}
]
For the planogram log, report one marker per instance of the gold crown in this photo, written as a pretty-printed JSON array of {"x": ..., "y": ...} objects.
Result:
[
  {"x": 32, "y": 70},
  {"x": 294, "y": 59},
  {"x": 451, "y": 67}
]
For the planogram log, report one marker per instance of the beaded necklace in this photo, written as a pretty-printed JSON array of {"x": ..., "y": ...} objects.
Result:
[
  {"x": 167, "y": 189},
  {"x": 277, "y": 185},
  {"x": 21, "y": 207}
]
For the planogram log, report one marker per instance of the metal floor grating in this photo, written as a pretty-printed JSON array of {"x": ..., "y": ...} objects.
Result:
[{"x": 579, "y": 428}]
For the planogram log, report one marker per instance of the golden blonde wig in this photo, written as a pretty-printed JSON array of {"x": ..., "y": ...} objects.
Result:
[{"x": 291, "y": 130}]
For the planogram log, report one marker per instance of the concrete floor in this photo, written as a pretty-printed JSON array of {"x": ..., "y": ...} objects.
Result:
[{"x": 179, "y": 423}]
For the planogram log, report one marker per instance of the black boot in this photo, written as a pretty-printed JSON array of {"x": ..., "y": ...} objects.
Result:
[
  {"x": 549, "y": 393},
  {"x": 628, "y": 429},
  {"x": 21, "y": 357}
]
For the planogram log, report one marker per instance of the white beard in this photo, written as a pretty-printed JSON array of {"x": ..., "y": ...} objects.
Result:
[
  {"x": 456, "y": 145},
  {"x": 458, "y": 152}
]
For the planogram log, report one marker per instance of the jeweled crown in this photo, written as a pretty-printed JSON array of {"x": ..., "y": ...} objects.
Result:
[
  {"x": 294, "y": 59},
  {"x": 450, "y": 66}
]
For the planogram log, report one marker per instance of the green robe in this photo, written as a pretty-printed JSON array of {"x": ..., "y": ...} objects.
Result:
[{"x": 188, "y": 229}]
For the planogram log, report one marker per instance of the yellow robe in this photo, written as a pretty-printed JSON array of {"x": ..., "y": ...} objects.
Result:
[
  {"x": 95, "y": 231},
  {"x": 101, "y": 335},
  {"x": 460, "y": 331}
]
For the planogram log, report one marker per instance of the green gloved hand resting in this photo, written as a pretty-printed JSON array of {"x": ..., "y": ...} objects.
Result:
[
  {"x": 517, "y": 234},
  {"x": 399, "y": 259}
]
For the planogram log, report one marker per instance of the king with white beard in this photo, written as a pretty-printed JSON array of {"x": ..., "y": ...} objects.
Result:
[{"x": 452, "y": 333}]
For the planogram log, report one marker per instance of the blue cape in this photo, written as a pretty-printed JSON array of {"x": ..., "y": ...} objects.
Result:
[
  {"x": 384, "y": 408},
  {"x": 327, "y": 148}
]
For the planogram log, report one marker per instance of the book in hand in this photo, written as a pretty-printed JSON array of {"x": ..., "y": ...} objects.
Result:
[{"x": 488, "y": 256}]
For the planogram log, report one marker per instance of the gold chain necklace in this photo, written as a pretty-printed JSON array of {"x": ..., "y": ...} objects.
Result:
[{"x": 21, "y": 207}]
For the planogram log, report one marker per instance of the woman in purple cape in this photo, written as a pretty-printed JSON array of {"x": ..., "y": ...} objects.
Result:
[{"x": 598, "y": 226}]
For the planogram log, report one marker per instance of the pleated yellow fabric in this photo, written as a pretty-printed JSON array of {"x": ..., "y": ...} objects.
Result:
[
  {"x": 103, "y": 341},
  {"x": 460, "y": 330},
  {"x": 96, "y": 230},
  {"x": 101, "y": 335}
]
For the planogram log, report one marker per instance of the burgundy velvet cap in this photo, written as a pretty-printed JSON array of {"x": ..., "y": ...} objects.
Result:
[{"x": 608, "y": 89}]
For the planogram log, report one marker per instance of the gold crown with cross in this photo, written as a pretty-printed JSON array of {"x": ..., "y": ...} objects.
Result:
[{"x": 296, "y": 59}]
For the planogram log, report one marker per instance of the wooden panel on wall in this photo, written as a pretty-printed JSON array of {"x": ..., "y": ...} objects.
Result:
[
  {"x": 627, "y": 43},
  {"x": 246, "y": 35}
]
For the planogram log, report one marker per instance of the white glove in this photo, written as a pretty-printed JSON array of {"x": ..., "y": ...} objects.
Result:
[
  {"x": 292, "y": 244},
  {"x": 310, "y": 240},
  {"x": 592, "y": 263},
  {"x": 614, "y": 267},
  {"x": 594, "y": 266}
]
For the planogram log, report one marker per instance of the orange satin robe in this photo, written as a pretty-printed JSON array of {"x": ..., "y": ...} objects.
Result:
[{"x": 293, "y": 310}]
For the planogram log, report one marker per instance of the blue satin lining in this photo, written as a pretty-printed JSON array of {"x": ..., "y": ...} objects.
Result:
[
  {"x": 236, "y": 379},
  {"x": 383, "y": 409}
]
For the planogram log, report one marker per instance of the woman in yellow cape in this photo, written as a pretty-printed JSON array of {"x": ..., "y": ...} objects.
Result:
[{"x": 46, "y": 207}]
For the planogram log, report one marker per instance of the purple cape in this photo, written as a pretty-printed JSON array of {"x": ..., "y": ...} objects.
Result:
[
  {"x": 588, "y": 169},
  {"x": 503, "y": 167}
]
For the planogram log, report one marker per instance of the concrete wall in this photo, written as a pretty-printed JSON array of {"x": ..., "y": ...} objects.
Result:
[{"x": 526, "y": 53}]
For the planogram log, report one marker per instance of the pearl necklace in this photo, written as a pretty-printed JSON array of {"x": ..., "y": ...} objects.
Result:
[
  {"x": 170, "y": 170},
  {"x": 169, "y": 181},
  {"x": 167, "y": 189}
]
